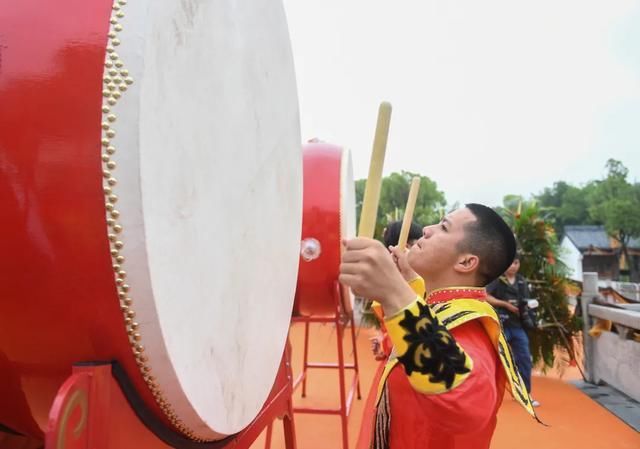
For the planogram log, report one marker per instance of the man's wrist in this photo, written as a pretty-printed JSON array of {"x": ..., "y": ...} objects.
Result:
[{"x": 397, "y": 299}]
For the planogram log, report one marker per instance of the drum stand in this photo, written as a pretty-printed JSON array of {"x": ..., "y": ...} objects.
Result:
[
  {"x": 98, "y": 408},
  {"x": 345, "y": 399}
]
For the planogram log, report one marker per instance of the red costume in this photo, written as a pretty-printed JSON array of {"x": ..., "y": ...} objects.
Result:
[{"x": 445, "y": 381}]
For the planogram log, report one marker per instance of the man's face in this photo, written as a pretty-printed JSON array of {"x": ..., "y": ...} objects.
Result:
[
  {"x": 513, "y": 268},
  {"x": 437, "y": 250}
]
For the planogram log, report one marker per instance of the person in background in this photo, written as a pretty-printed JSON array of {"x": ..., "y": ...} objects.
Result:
[{"x": 508, "y": 295}]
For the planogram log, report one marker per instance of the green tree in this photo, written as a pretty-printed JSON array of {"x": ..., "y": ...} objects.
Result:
[
  {"x": 566, "y": 204},
  {"x": 615, "y": 202},
  {"x": 394, "y": 191}
]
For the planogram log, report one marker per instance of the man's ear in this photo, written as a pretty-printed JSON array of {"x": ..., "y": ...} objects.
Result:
[{"x": 467, "y": 263}]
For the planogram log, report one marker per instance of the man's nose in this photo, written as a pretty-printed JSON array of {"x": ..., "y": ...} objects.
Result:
[{"x": 427, "y": 231}]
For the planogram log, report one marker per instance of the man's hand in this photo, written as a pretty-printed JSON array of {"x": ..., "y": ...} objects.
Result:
[
  {"x": 368, "y": 268},
  {"x": 401, "y": 260},
  {"x": 495, "y": 302},
  {"x": 510, "y": 307}
]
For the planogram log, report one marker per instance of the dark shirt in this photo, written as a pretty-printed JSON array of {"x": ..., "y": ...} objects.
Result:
[{"x": 516, "y": 294}]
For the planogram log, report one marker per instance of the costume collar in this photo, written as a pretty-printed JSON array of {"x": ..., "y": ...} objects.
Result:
[{"x": 449, "y": 293}]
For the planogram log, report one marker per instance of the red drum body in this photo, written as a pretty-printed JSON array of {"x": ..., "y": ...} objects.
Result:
[
  {"x": 146, "y": 150},
  {"x": 328, "y": 217}
]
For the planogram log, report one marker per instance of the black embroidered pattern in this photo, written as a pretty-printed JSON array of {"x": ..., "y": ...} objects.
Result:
[
  {"x": 432, "y": 350},
  {"x": 456, "y": 316}
]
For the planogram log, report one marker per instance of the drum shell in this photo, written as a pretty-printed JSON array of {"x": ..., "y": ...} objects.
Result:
[
  {"x": 61, "y": 304},
  {"x": 323, "y": 213},
  {"x": 58, "y": 303}
]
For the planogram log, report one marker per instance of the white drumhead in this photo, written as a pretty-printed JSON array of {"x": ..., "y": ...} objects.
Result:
[
  {"x": 209, "y": 172},
  {"x": 347, "y": 211}
]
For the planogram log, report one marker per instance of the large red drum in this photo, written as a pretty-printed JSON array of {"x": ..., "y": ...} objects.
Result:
[
  {"x": 151, "y": 192},
  {"x": 329, "y": 215}
]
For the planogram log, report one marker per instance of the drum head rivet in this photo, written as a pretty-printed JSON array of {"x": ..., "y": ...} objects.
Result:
[
  {"x": 124, "y": 309},
  {"x": 122, "y": 2},
  {"x": 128, "y": 302},
  {"x": 108, "y": 63},
  {"x": 139, "y": 348},
  {"x": 124, "y": 72},
  {"x": 112, "y": 34},
  {"x": 113, "y": 198},
  {"x": 132, "y": 314},
  {"x": 118, "y": 27},
  {"x": 106, "y": 174},
  {"x": 115, "y": 42},
  {"x": 106, "y": 109},
  {"x": 110, "y": 222},
  {"x": 113, "y": 72},
  {"x": 105, "y": 158},
  {"x": 125, "y": 287},
  {"x": 110, "y": 49},
  {"x": 108, "y": 206},
  {"x": 112, "y": 181},
  {"x": 116, "y": 94},
  {"x": 116, "y": 6},
  {"x": 119, "y": 64},
  {"x": 112, "y": 101},
  {"x": 106, "y": 93},
  {"x": 119, "y": 14},
  {"x": 105, "y": 125},
  {"x": 111, "y": 87},
  {"x": 135, "y": 325},
  {"x": 106, "y": 79},
  {"x": 122, "y": 87},
  {"x": 128, "y": 80},
  {"x": 120, "y": 259},
  {"x": 107, "y": 190},
  {"x": 116, "y": 267},
  {"x": 110, "y": 150},
  {"x": 119, "y": 281},
  {"x": 111, "y": 117},
  {"x": 113, "y": 21},
  {"x": 117, "y": 229},
  {"x": 117, "y": 80},
  {"x": 119, "y": 245},
  {"x": 114, "y": 56},
  {"x": 111, "y": 133},
  {"x": 111, "y": 165}
]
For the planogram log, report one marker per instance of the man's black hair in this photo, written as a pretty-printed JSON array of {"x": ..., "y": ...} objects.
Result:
[
  {"x": 491, "y": 239},
  {"x": 392, "y": 233}
]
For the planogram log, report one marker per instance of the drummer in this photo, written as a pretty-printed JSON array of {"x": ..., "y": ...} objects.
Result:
[
  {"x": 444, "y": 385},
  {"x": 381, "y": 344}
]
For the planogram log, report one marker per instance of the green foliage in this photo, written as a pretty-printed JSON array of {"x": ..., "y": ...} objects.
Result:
[
  {"x": 394, "y": 191},
  {"x": 540, "y": 264},
  {"x": 567, "y": 205},
  {"x": 616, "y": 203}
]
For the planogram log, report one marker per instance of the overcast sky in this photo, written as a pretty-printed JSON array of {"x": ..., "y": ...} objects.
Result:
[{"x": 489, "y": 97}]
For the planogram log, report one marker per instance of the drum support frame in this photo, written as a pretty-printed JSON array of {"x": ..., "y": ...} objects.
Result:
[
  {"x": 88, "y": 411},
  {"x": 346, "y": 397}
]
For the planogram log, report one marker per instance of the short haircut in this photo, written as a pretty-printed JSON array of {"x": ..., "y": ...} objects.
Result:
[
  {"x": 491, "y": 239},
  {"x": 392, "y": 233}
]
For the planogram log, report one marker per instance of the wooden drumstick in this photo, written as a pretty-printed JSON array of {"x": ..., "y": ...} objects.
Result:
[
  {"x": 372, "y": 188},
  {"x": 408, "y": 212}
]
